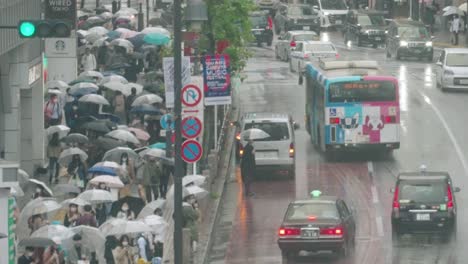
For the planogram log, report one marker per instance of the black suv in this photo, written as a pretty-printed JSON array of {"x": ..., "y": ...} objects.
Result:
[
  {"x": 296, "y": 17},
  {"x": 408, "y": 38},
  {"x": 424, "y": 202},
  {"x": 260, "y": 28},
  {"x": 365, "y": 27}
]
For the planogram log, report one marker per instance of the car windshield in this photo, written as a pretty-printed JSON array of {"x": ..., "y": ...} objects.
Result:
[
  {"x": 300, "y": 11},
  {"x": 457, "y": 60},
  {"x": 371, "y": 20},
  {"x": 304, "y": 37},
  {"x": 334, "y": 5},
  {"x": 318, "y": 48},
  {"x": 363, "y": 91},
  {"x": 301, "y": 212},
  {"x": 275, "y": 130},
  {"x": 422, "y": 192},
  {"x": 413, "y": 32},
  {"x": 258, "y": 21}
]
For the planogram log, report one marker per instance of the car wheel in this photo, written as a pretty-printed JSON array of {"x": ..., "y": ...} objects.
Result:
[
  {"x": 287, "y": 257},
  {"x": 396, "y": 233},
  {"x": 450, "y": 234},
  {"x": 269, "y": 42}
]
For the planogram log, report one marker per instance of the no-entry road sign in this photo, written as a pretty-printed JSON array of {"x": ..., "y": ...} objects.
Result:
[
  {"x": 191, "y": 127},
  {"x": 191, "y": 151}
]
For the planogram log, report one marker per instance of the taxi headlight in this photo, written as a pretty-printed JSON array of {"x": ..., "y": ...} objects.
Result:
[
  {"x": 326, "y": 13},
  {"x": 386, "y": 31},
  {"x": 429, "y": 44},
  {"x": 403, "y": 43}
]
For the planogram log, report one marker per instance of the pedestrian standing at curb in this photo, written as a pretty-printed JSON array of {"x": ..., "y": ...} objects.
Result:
[
  {"x": 248, "y": 166},
  {"x": 53, "y": 153},
  {"x": 455, "y": 28}
]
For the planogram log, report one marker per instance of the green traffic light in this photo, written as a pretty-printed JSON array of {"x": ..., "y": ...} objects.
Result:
[{"x": 27, "y": 29}]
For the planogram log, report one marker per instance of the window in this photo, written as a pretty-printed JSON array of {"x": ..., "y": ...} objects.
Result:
[
  {"x": 300, "y": 11},
  {"x": 318, "y": 48},
  {"x": 343, "y": 209},
  {"x": 334, "y": 5},
  {"x": 457, "y": 60},
  {"x": 276, "y": 130},
  {"x": 413, "y": 32},
  {"x": 301, "y": 212},
  {"x": 305, "y": 37},
  {"x": 258, "y": 21},
  {"x": 424, "y": 192},
  {"x": 362, "y": 91},
  {"x": 371, "y": 20}
]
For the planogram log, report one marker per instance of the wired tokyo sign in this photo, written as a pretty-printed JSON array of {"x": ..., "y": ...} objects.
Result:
[{"x": 61, "y": 9}]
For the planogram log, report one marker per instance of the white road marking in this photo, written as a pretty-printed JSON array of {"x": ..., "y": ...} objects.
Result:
[
  {"x": 455, "y": 144},
  {"x": 370, "y": 168},
  {"x": 379, "y": 223},
  {"x": 375, "y": 195}
]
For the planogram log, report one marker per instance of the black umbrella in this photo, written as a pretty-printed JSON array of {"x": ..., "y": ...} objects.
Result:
[
  {"x": 134, "y": 203},
  {"x": 92, "y": 23},
  {"x": 107, "y": 143},
  {"x": 75, "y": 138},
  {"x": 38, "y": 242},
  {"x": 103, "y": 126}
]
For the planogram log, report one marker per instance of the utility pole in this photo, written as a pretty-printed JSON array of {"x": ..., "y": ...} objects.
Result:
[{"x": 178, "y": 166}]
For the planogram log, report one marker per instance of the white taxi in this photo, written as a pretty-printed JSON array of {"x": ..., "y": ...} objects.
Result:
[
  {"x": 306, "y": 51},
  {"x": 452, "y": 69}
]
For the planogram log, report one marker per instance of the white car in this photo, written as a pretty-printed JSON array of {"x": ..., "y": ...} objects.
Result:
[
  {"x": 306, "y": 51},
  {"x": 288, "y": 40},
  {"x": 452, "y": 69}
]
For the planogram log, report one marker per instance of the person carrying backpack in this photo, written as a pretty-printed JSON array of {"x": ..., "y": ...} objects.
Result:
[{"x": 144, "y": 248}]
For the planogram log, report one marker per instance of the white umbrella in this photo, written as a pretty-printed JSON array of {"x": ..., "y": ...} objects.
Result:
[
  {"x": 110, "y": 181},
  {"x": 462, "y": 7},
  {"x": 115, "y": 86},
  {"x": 193, "y": 179},
  {"x": 123, "y": 135},
  {"x": 156, "y": 222},
  {"x": 82, "y": 32},
  {"x": 116, "y": 153},
  {"x": 101, "y": 42},
  {"x": 150, "y": 207},
  {"x": 67, "y": 155},
  {"x": 254, "y": 133},
  {"x": 106, "y": 15},
  {"x": 128, "y": 227},
  {"x": 147, "y": 99},
  {"x": 108, "y": 164},
  {"x": 94, "y": 98},
  {"x": 93, "y": 37},
  {"x": 77, "y": 201},
  {"x": 43, "y": 185},
  {"x": 109, "y": 224},
  {"x": 34, "y": 207},
  {"x": 114, "y": 78},
  {"x": 129, "y": 86},
  {"x": 159, "y": 30},
  {"x": 198, "y": 192},
  {"x": 156, "y": 153},
  {"x": 122, "y": 43},
  {"x": 452, "y": 10},
  {"x": 129, "y": 34},
  {"x": 91, "y": 238},
  {"x": 98, "y": 30},
  {"x": 53, "y": 231},
  {"x": 60, "y": 129},
  {"x": 96, "y": 196},
  {"x": 93, "y": 74},
  {"x": 84, "y": 85},
  {"x": 54, "y": 91},
  {"x": 123, "y": 30},
  {"x": 57, "y": 84}
]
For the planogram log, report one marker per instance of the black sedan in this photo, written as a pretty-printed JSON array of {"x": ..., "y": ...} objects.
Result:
[
  {"x": 297, "y": 17},
  {"x": 322, "y": 223}
]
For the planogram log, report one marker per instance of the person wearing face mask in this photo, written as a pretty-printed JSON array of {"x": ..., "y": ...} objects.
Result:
[
  {"x": 123, "y": 252},
  {"x": 126, "y": 213},
  {"x": 71, "y": 216},
  {"x": 78, "y": 251},
  {"x": 128, "y": 175},
  {"x": 28, "y": 257},
  {"x": 52, "y": 112}
]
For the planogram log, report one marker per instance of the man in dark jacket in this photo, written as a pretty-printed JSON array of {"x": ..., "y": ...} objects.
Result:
[{"x": 248, "y": 166}]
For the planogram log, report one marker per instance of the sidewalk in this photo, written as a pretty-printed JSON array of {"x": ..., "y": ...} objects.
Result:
[{"x": 442, "y": 40}]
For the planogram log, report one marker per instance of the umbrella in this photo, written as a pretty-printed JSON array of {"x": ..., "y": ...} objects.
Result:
[
  {"x": 123, "y": 135},
  {"x": 36, "y": 242},
  {"x": 146, "y": 109},
  {"x": 147, "y": 99},
  {"x": 156, "y": 222},
  {"x": 156, "y": 153},
  {"x": 462, "y": 7},
  {"x": 57, "y": 84},
  {"x": 159, "y": 30},
  {"x": 156, "y": 39},
  {"x": 98, "y": 30},
  {"x": 193, "y": 179},
  {"x": 65, "y": 188},
  {"x": 54, "y": 91},
  {"x": 89, "y": 23},
  {"x": 102, "y": 170},
  {"x": 83, "y": 88},
  {"x": 128, "y": 89},
  {"x": 158, "y": 21},
  {"x": 135, "y": 203},
  {"x": 81, "y": 13},
  {"x": 452, "y": 10},
  {"x": 115, "y": 86},
  {"x": 129, "y": 34},
  {"x": 137, "y": 40},
  {"x": 159, "y": 145},
  {"x": 123, "y": 20},
  {"x": 162, "y": 155},
  {"x": 52, "y": 231},
  {"x": 43, "y": 185},
  {"x": 82, "y": 33},
  {"x": 122, "y": 43},
  {"x": 140, "y": 133},
  {"x": 67, "y": 155},
  {"x": 75, "y": 138},
  {"x": 82, "y": 80},
  {"x": 109, "y": 164},
  {"x": 197, "y": 191},
  {"x": 107, "y": 143},
  {"x": 60, "y": 129},
  {"x": 16, "y": 190},
  {"x": 77, "y": 201},
  {"x": 91, "y": 74},
  {"x": 129, "y": 10},
  {"x": 123, "y": 30},
  {"x": 103, "y": 126},
  {"x": 127, "y": 227},
  {"x": 106, "y": 14},
  {"x": 114, "y": 34},
  {"x": 93, "y": 37},
  {"x": 34, "y": 207},
  {"x": 23, "y": 177},
  {"x": 116, "y": 153},
  {"x": 94, "y": 99},
  {"x": 151, "y": 207},
  {"x": 91, "y": 238},
  {"x": 96, "y": 196},
  {"x": 110, "y": 181},
  {"x": 114, "y": 78},
  {"x": 254, "y": 134}
]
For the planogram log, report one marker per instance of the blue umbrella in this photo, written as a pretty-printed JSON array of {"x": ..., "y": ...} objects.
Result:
[
  {"x": 137, "y": 40},
  {"x": 114, "y": 34},
  {"x": 102, "y": 170},
  {"x": 159, "y": 145},
  {"x": 146, "y": 109},
  {"x": 156, "y": 39}
]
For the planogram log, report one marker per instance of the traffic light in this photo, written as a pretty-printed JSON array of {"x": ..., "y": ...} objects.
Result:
[{"x": 44, "y": 29}]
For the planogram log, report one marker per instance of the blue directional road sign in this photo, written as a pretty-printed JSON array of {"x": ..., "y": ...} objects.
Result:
[
  {"x": 191, "y": 151},
  {"x": 191, "y": 127},
  {"x": 165, "y": 120}
]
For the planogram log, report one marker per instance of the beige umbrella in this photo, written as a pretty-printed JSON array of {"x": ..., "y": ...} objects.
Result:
[
  {"x": 94, "y": 99},
  {"x": 123, "y": 135},
  {"x": 115, "y": 86},
  {"x": 110, "y": 181}
]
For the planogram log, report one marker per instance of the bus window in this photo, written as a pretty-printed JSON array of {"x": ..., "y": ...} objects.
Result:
[{"x": 364, "y": 91}]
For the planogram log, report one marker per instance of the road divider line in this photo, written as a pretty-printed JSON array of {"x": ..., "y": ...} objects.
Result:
[
  {"x": 379, "y": 224},
  {"x": 370, "y": 168},
  {"x": 375, "y": 195}
]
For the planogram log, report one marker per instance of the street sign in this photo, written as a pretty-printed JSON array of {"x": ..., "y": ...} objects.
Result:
[
  {"x": 191, "y": 127},
  {"x": 191, "y": 151},
  {"x": 165, "y": 119},
  {"x": 168, "y": 68},
  {"x": 63, "y": 10},
  {"x": 191, "y": 95}
]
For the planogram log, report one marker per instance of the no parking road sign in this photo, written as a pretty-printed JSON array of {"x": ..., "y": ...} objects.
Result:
[
  {"x": 191, "y": 95},
  {"x": 191, "y": 151},
  {"x": 191, "y": 127}
]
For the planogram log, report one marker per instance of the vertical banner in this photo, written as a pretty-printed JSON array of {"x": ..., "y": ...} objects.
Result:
[
  {"x": 217, "y": 80},
  {"x": 61, "y": 9},
  {"x": 168, "y": 68}
]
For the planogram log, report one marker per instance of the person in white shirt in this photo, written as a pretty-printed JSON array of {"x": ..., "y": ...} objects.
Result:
[
  {"x": 455, "y": 28},
  {"x": 88, "y": 61}
]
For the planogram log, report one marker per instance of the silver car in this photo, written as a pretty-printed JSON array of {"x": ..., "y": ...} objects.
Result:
[
  {"x": 452, "y": 69},
  {"x": 288, "y": 40}
]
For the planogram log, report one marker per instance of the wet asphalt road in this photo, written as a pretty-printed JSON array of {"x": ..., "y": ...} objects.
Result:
[{"x": 433, "y": 132}]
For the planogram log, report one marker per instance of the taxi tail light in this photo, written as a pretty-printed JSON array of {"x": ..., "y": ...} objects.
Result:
[
  {"x": 332, "y": 231},
  {"x": 267, "y": 27},
  {"x": 334, "y": 120},
  {"x": 337, "y": 56},
  {"x": 449, "y": 199},
  {"x": 390, "y": 119},
  {"x": 241, "y": 150},
  {"x": 289, "y": 231},
  {"x": 291, "y": 150},
  {"x": 238, "y": 136},
  {"x": 396, "y": 203},
  {"x": 292, "y": 44}
]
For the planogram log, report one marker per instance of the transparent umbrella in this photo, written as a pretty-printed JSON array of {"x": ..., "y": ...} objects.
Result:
[
  {"x": 109, "y": 180},
  {"x": 123, "y": 135},
  {"x": 92, "y": 74},
  {"x": 147, "y": 99},
  {"x": 127, "y": 227},
  {"x": 116, "y": 153},
  {"x": 114, "y": 78},
  {"x": 52, "y": 231},
  {"x": 94, "y": 99},
  {"x": 115, "y": 86},
  {"x": 67, "y": 155},
  {"x": 193, "y": 179},
  {"x": 57, "y": 84},
  {"x": 61, "y": 129},
  {"x": 43, "y": 185},
  {"x": 96, "y": 196},
  {"x": 34, "y": 207},
  {"x": 99, "y": 30},
  {"x": 91, "y": 238},
  {"x": 156, "y": 223},
  {"x": 254, "y": 134},
  {"x": 151, "y": 207},
  {"x": 78, "y": 201}
]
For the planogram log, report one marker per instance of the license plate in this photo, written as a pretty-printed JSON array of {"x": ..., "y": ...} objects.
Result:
[
  {"x": 464, "y": 81},
  {"x": 306, "y": 28},
  {"x": 423, "y": 217},
  {"x": 309, "y": 233},
  {"x": 267, "y": 154},
  {"x": 257, "y": 32},
  {"x": 338, "y": 22},
  {"x": 378, "y": 38}
]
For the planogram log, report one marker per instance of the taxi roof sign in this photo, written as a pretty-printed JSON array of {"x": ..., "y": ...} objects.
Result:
[{"x": 315, "y": 193}]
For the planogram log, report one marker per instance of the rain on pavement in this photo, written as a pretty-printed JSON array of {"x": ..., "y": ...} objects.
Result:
[{"x": 432, "y": 133}]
